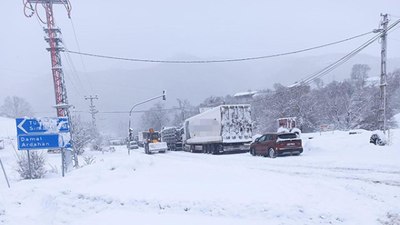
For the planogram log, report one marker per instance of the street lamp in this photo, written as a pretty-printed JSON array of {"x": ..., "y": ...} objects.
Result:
[{"x": 163, "y": 96}]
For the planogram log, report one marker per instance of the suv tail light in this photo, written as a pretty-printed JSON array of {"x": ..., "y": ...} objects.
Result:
[
  {"x": 298, "y": 143},
  {"x": 280, "y": 145}
]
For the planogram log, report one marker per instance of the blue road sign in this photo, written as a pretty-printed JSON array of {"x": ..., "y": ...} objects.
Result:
[
  {"x": 46, "y": 141},
  {"x": 43, "y": 133},
  {"x": 42, "y": 125}
]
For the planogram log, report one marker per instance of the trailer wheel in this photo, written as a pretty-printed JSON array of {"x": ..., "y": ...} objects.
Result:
[
  {"x": 214, "y": 149},
  {"x": 204, "y": 149},
  {"x": 192, "y": 148},
  {"x": 210, "y": 149},
  {"x": 218, "y": 149}
]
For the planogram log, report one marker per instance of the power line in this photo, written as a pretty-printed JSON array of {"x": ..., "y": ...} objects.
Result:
[
  {"x": 127, "y": 112},
  {"x": 339, "y": 62},
  {"x": 74, "y": 70},
  {"x": 333, "y": 65},
  {"x": 79, "y": 49},
  {"x": 74, "y": 74},
  {"x": 394, "y": 30},
  {"x": 344, "y": 59},
  {"x": 216, "y": 61}
]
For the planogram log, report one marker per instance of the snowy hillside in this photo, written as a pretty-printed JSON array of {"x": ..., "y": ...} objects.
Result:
[
  {"x": 339, "y": 179},
  {"x": 7, "y": 128}
]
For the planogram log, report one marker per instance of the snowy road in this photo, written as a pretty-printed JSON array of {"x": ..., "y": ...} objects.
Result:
[{"x": 333, "y": 182}]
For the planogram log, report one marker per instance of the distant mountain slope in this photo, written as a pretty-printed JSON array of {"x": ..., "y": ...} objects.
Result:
[
  {"x": 120, "y": 88},
  {"x": 198, "y": 81}
]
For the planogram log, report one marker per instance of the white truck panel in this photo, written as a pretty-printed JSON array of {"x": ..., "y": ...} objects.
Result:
[
  {"x": 140, "y": 136},
  {"x": 221, "y": 124}
]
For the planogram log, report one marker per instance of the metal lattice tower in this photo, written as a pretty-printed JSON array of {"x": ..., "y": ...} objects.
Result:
[{"x": 53, "y": 38}]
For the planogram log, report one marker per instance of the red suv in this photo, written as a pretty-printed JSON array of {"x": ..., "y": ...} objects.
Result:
[{"x": 274, "y": 144}]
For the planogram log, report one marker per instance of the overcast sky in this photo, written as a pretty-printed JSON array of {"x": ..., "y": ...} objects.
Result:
[
  {"x": 205, "y": 29},
  {"x": 182, "y": 29}
]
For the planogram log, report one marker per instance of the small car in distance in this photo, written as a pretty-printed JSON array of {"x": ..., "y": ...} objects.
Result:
[
  {"x": 133, "y": 145},
  {"x": 274, "y": 144}
]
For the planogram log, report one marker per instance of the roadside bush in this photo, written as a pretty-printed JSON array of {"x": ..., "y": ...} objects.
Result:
[
  {"x": 37, "y": 161},
  {"x": 89, "y": 159},
  {"x": 97, "y": 144}
]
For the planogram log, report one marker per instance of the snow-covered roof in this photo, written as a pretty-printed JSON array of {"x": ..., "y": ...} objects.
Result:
[
  {"x": 245, "y": 94},
  {"x": 373, "y": 80}
]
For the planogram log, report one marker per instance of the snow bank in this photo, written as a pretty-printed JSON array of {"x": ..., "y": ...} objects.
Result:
[{"x": 339, "y": 179}]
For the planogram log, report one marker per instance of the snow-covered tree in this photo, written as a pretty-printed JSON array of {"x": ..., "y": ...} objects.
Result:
[
  {"x": 184, "y": 111},
  {"x": 359, "y": 75},
  {"x": 213, "y": 101},
  {"x": 82, "y": 134},
  {"x": 393, "y": 90},
  {"x": 156, "y": 118},
  {"x": 15, "y": 107},
  {"x": 36, "y": 168},
  {"x": 348, "y": 104},
  {"x": 98, "y": 143}
]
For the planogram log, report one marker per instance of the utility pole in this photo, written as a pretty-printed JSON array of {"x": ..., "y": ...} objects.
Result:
[
  {"x": 182, "y": 110},
  {"x": 383, "y": 82},
  {"x": 92, "y": 109},
  {"x": 53, "y": 38}
]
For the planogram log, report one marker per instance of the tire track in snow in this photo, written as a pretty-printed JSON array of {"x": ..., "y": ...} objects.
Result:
[
  {"x": 84, "y": 204},
  {"x": 336, "y": 172}
]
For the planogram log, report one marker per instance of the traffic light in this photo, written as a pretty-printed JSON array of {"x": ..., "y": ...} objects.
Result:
[{"x": 130, "y": 134}]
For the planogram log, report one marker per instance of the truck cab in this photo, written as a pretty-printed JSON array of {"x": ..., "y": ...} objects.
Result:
[{"x": 152, "y": 142}]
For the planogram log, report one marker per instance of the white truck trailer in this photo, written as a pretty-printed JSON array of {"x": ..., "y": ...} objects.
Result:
[{"x": 220, "y": 129}]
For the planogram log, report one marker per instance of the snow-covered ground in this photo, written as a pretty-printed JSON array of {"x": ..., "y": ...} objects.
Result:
[{"x": 339, "y": 179}]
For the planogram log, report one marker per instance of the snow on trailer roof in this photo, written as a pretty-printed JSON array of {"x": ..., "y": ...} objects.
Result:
[{"x": 232, "y": 105}]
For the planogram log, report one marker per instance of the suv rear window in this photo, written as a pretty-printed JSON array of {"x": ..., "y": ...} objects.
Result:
[{"x": 287, "y": 136}]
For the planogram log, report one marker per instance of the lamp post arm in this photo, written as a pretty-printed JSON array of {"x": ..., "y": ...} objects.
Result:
[
  {"x": 145, "y": 101},
  {"x": 137, "y": 104}
]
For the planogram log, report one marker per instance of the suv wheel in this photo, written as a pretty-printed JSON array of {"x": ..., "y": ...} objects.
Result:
[
  {"x": 271, "y": 153},
  {"x": 252, "y": 151}
]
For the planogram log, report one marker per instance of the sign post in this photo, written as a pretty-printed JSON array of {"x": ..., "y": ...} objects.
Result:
[
  {"x": 63, "y": 161},
  {"x": 4, "y": 172},
  {"x": 44, "y": 133},
  {"x": 29, "y": 165}
]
